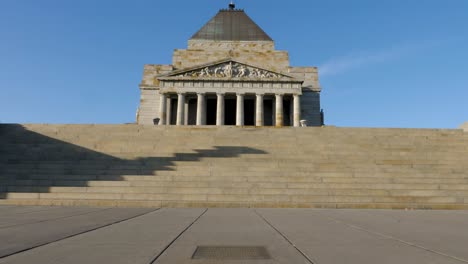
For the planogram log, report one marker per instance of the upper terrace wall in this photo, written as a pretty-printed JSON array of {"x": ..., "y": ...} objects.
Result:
[{"x": 260, "y": 53}]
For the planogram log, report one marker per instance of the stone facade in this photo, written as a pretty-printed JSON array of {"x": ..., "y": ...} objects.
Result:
[{"x": 230, "y": 78}]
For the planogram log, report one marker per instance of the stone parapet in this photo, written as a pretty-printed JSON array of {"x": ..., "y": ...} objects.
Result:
[{"x": 260, "y": 46}]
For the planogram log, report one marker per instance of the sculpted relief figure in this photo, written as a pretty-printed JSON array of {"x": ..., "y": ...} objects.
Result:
[
  {"x": 217, "y": 72},
  {"x": 229, "y": 70},
  {"x": 205, "y": 72},
  {"x": 241, "y": 71},
  {"x": 254, "y": 73}
]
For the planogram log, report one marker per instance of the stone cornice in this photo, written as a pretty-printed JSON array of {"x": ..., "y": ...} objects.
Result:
[
  {"x": 148, "y": 87},
  {"x": 214, "y": 79}
]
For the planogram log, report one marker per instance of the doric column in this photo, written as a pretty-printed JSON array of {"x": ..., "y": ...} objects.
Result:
[
  {"x": 297, "y": 110},
  {"x": 220, "y": 110},
  {"x": 180, "y": 109},
  {"x": 169, "y": 110},
  {"x": 279, "y": 110},
  {"x": 162, "y": 109},
  {"x": 186, "y": 111},
  {"x": 240, "y": 110},
  {"x": 201, "y": 109},
  {"x": 259, "y": 110}
]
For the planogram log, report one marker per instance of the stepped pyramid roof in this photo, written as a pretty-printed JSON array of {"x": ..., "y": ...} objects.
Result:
[{"x": 231, "y": 25}]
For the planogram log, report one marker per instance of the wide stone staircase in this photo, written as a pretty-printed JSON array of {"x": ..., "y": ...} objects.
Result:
[{"x": 130, "y": 165}]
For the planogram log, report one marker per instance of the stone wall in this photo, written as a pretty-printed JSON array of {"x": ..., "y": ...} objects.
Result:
[
  {"x": 259, "y": 53},
  {"x": 149, "y": 93},
  {"x": 310, "y": 99},
  {"x": 309, "y": 75},
  {"x": 310, "y": 103},
  {"x": 465, "y": 126},
  {"x": 149, "y": 106},
  {"x": 150, "y": 71}
]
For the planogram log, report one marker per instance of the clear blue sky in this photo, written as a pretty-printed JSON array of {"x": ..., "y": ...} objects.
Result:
[{"x": 386, "y": 63}]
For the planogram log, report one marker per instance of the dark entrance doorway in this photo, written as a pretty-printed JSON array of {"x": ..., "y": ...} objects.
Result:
[
  {"x": 211, "y": 112},
  {"x": 268, "y": 112},
  {"x": 286, "y": 112},
  {"x": 230, "y": 112},
  {"x": 192, "y": 112},
  {"x": 249, "y": 112},
  {"x": 173, "y": 116}
]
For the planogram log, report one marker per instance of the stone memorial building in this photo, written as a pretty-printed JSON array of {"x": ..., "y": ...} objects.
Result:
[{"x": 231, "y": 74}]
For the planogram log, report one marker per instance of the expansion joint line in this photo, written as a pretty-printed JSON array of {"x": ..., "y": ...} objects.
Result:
[
  {"x": 397, "y": 239},
  {"x": 177, "y": 237},
  {"x": 285, "y": 237},
  {"x": 58, "y": 218}
]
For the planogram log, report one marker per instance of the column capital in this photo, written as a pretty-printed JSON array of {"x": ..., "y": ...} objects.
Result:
[
  {"x": 260, "y": 94},
  {"x": 201, "y": 93},
  {"x": 240, "y": 94},
  {"x": 279, "y": 96},
  {"x": 220, "y": 94}
]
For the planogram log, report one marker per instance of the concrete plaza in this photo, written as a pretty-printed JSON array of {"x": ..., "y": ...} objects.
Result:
[{"x": 119, "y": 235}]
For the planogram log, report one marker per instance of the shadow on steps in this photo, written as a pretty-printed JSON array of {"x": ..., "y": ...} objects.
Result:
[{"x": 32, "y": 163}]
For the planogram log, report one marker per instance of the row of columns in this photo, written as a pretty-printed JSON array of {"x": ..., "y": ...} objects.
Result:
[{"x": 201, "y": 110}]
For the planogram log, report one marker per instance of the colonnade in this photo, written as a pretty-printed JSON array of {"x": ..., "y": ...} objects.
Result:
[{"x": 220, "y": 109}]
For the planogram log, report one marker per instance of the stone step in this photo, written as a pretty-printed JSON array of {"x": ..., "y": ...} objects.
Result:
[
  {"x": 369, "y": 157},
  {"x": 242, "y": 183},
  {"x": 220, "y": 181},
  {"x": 232, "y": 198},
  {"x": 204, "y": 204},
  {"x": 34, "y": 137},
  {"x": 401, "y": 143},
  {"x": 239, "y": 171},
  {"x": 240, "y": 191},
  {"x": 244, "y": 176}
]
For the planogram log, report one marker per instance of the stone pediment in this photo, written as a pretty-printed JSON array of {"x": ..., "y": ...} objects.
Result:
[{"x": 229, "y": 69}]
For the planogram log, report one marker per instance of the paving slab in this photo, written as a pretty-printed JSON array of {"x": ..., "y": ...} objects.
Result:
[
  {"x": 328, "y": 241},
  {"x": 231, "y": 228},
  {"x": 444, "y": 232},
  {"x": 18, "y": 238},
  {"x": 138, "y": 240}
]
